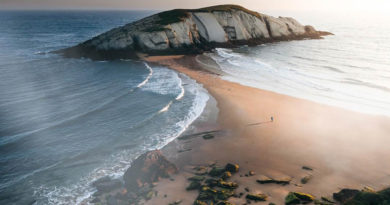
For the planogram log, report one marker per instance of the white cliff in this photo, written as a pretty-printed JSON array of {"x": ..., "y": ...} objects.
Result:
[{"x": 192, "y": 31}]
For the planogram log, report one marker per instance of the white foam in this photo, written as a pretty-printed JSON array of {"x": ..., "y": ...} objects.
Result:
[
  {"x": 81, "y": 192},
  {"x": 148, "y": 77}
]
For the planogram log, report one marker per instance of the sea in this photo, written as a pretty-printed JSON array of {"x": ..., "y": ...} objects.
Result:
[{"x": 66, "y": 122}]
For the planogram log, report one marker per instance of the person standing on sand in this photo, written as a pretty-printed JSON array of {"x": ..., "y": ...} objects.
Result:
[{"x": 272, "y": 118}]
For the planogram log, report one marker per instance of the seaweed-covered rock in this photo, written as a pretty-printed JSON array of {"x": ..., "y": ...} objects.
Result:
[
  {"x": 291, "y": 199},
  {"x": 224, "y": 203},
  {"x": 228, "y": 185},
  {"x": 196, "y": 178},
  {"x": 370, "y": 198},
  {"x": 326, "y": 199},
  {"x": 200, "y": 170},
  {"x": 345, "y": 195},
  {"x": 304, "y": 197},
  {"x": 226, "y": 175},
  {"x": 148, "y": 168},
  {"x": 233, "y": 168},
  {"x": 212, "y": 182},
  {"x": 199, "y": 202},
  {"x": 194, "y": 185},
  {"x": 267, "y": 180},
  {"x": 216, "y": 171},
  {"x": 257, "y": 197},
  {"x": 298, "y": 197}
]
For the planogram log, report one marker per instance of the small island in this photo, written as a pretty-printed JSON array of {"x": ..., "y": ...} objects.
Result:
[{"x": 192, "y": 31}]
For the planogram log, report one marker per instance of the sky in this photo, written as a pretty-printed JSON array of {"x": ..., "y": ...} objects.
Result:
[{"x": 258, "y": 5}]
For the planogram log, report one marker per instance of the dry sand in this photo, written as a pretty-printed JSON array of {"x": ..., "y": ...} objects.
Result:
[{"x": 346, "y": 149}]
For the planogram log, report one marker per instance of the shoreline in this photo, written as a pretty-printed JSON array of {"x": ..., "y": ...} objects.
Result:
[{"x": 296, "y": 138}]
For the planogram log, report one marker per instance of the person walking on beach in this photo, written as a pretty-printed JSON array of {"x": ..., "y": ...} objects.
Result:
[{"x": 272, "y": 118}]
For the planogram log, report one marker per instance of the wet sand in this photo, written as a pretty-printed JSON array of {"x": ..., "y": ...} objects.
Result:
[{"x": 345, "y": 149}]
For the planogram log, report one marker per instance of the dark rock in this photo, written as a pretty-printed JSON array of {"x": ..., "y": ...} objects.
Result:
[
  {"x": 345, "y": 195},
  {"x": 298, "y": 197},
  {"x": 196, "y": 178},
  {"x": 233, "y": 168},
  {"x": 307, "y": 168},
  {"x": 216, "y": 171},
  {"x": 177, "y": 202},
  {"x": 148, "y": 168},
  {"x": 208, "y": 136},
  {"x": 226, "y": 175},
  {"x": 211, "y": 182},
  {"x": 292, "y": 199},
  {"x": 199, "y": 202},
  {"x": 268, "y": 180},
  {"x": 228, "y": 185},
  {"x": 106, "y": 184},
  {"x": 200, "y": 170},
  {"x": 257, "y": 197},
  {"x": 370, "y": 198},
  {"x": 325, "y": 199},
  {"x": 247, "y": 189},
  {"x": 306, "y": 179},
  {"x": 193, "y": 185},
  {"x": 224, "y": 203}
]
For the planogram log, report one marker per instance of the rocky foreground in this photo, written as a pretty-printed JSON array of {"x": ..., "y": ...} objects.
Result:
[
  {"x": 192, "y": 31},
  {"x": 212, "y": 182}
]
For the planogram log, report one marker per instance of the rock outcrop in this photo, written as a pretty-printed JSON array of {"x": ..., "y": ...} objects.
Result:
[
  {"x": 183, "y": 31},
  {"x": 146, "y": 169}
]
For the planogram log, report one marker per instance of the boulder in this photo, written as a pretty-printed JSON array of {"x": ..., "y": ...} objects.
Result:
[
  {"x": 193, "y": 185},
  {"x": 257, "y": 197},
  {"x": 267, "y": 180},
  {"x": 148, "y": 168},
  {"x": 216, "y": 171},
  {"x": 306, "y": 179},
  {"x": 345, "y": 195},
  {"x": 233, "y": 168},
  {"x": 106, "y": 184},
  {"x": 298, "y": 197}
]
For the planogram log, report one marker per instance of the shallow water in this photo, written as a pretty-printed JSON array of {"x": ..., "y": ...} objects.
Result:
[{"x": 350, "y": 69}]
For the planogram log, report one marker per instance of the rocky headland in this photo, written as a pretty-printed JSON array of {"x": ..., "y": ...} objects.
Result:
[{"x": 192, "y": 31}]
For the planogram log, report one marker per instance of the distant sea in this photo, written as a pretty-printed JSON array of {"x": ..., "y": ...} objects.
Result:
[{"x": 67, "y": 122}]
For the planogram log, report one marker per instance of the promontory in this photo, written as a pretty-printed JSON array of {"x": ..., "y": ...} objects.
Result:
[{"x": 192, "y": 31}]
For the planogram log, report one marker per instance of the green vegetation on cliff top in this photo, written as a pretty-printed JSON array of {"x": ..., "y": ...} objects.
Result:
[{"x": 177, "y": 15}]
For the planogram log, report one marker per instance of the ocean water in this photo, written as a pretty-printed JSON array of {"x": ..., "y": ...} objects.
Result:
[
  {"x": 67, "y": 122},
  {"x": 350, "y": 69}
]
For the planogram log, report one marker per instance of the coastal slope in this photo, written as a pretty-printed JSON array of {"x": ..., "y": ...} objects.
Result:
[{"x": 192, "y": 31}]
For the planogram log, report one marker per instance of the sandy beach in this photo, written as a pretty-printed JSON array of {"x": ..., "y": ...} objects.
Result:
[{"x": 345, "y": 149}]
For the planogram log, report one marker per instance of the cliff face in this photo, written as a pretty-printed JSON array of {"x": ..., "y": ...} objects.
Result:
[{"x": 192, "y": 31}]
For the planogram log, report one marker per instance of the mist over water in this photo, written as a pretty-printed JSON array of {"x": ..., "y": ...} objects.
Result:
[{"x": 350, "y": 69}]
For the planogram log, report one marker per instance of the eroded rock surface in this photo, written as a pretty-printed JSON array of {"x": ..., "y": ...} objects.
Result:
[{"x": 183, "y": 31}]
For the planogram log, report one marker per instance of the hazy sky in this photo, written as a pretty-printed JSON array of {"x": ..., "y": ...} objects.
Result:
[{"x": 291, "y": 5}]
